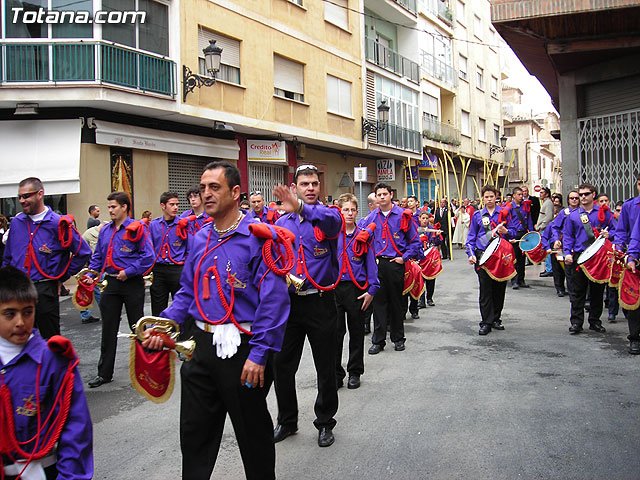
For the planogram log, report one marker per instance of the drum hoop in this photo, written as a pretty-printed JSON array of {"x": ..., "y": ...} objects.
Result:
[
  {"x": 531, "y": 234},
  {"x": 591, "y": 250},
  {"x": 490, "y": 250}
]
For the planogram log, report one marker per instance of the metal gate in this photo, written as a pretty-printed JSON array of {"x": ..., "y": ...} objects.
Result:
[
  {"x": 363, "y": 200},
  {"x": 185, "y": 172},
  {"x": 262, "y": 178},
  {"x": 609, "y": 153}
]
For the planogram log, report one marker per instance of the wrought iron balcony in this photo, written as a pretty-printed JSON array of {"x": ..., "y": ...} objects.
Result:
[
  {"x": 440, "y": 132},
  {"x": 440, "y": 9},
  {"x": 389, "y": 59},
  {"x": 398, "y": 137},
  {"x": 438, "y": 69},
  {"x": 409, "y": 5},
  {"x": 85, "y": 62}
]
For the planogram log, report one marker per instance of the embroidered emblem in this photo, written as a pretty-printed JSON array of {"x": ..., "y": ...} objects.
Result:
[
  {"x": 125, "y": 249},
  {"x": 356, "y": 259},
  {"x": 45, "y": 248},
  {"x": 29, "y": 408},
  {"x": 235, "y": 283},
  {"x": 507, "y": 258},
  {"x": 584, "y": 217},
  {"x": 486, "y": 221},
  {"x": 396, "y": 236},
  {"x": 177, "y": 243},
  {"x": 145, "y": 377},
  {"x": 317, "y": 251}
]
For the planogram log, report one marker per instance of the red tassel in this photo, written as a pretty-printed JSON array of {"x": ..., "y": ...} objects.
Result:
[
  {"x": 61, "y": 345},
  {"x": 602, "y": 213},
  {"x": 319, "y": 234},
  {"x": 405, "y": 221},
  {"x": 526, "y": 205},
  {"x": 134, "y": 231}
]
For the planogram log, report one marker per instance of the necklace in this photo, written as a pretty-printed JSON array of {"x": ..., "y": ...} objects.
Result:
[{"x": 232, "y": 227}]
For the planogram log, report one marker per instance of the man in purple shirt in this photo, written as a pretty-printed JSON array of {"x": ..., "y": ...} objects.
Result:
[
  {"x": 197, "y": 210},
  {"x": 627, "y": 219},
  {"x": 520, "y": 223},
  {"x": 557, "y": 226},
  {"x": 170, "y": 252},
  {"x": 313, "y": 310},
  {"x": 396, "y": 241},
  {"x": 37, "y": 246},
  {"x": 260, "y": 211},
  {"x": 358, "y": 284},
  {"x": 124, "y": 253},
  {"x": 486, "y": 224},
  {"x": 577, "y": 236},
  {"x": 33, "y": 373},
  {"x": 236, "y": 309}
]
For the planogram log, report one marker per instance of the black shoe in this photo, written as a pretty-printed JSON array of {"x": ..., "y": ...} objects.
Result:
[
  {"x": 421, "y": 305},
  {"x": 612, "y": 319},
  {"x": 283, "y": 431},
  {"x": 598, "y": 328},
  {"x": 528, "y": 263},
  {"x": 562, "y": 294},
  {"x": 415, "y": 316},
  {"x": 399, "y": 346},
  {"x": 498, "y": 325},
  {"x": 96, "y": 382},
  {"x": 430, "y": 303},
  {"x": 546, "y": 274},
  {"x": 64, "y": 291},
  {"x": 575, "y": 329},
  {"x": 634, "y": 347},
  {"x": 375, "y": 349},
  {"x": 484, "y": 329},
  {"x": 353, "y": 382},
  {"x": 325, "y": 437},
  {"x": 90, "y": 320},
  {"x": 515, "y": 286},
  {"x": 524, "y": 285},
  {"x": 367, "y": 329}
]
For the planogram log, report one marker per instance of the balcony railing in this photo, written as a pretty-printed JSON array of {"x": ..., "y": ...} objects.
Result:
[
  {"x": 409, "y": 5},
  {"x": 440, "y": 9},
  {"x": 82, "y": 62},
  {"x": 440, "y": 132},
  {"x": 438, "y": 69},
  {"x": 399, "y": 137},
  {"x": 386, "y": 58}
]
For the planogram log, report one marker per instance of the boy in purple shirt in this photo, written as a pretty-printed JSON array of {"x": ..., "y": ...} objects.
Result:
[{"x": 27, "y": 361}]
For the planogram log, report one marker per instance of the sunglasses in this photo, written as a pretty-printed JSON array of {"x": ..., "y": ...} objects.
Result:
[
  {"x": 585, "y": 194},
  {"x": 24, "y": 196},
  {"x": 257, "y": 192},
  {"x": 574, "y": 198},
  {"x": 306, "y": 167}
]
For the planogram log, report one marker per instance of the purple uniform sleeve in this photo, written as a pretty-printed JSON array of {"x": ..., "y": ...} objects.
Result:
[
  {"x": 474, "y": 227},
  {"x": 328, "y": 219}
]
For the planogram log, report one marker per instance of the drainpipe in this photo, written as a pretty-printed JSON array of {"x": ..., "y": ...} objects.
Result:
[{"x": 526, "y": 162}]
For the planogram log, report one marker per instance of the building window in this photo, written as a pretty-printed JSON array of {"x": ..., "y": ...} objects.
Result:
[
  {"x": 496, "y": 134},
  {"x": 288, "y": 78},
  {"x": 539, "y": 167},
  {"x": 229, "y": 60},
  {"x": 480, "y": 79},
  {"x": 477, "y": 27},
  {"x": 493, "y": 40},
  {"x": 466, "y": 124},
  {"x": 509, "y": 132},
  {"x": 430, "y": 106},
  {"x": 494, "y": 87},
  {"x": 403, "y": 101},
  {"x": 463, "y": 67},
  {"x": 152, "y": 35},
  {"x": 338, "y": 96},
  {"x": 482, "y": 130},
  {"x": 297, "y": 2},
  {"x": 337, "y": 13},
  {"x": 460, "y": 11}
]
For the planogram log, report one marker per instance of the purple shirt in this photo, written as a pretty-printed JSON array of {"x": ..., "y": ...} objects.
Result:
[
  {"x": 626, "y": 221},
  {"x": 364, "y": 268},
  {"x": 263, "y": 216},
  {"x": 408, "y": 243},
  {"x": 477, "y": 238},
  {"x": 75, "y": 445},
  {"x": 169, "y": 248},
  {"x": 515, "y": 225},
  {"x": 320, "y": 257},
  {"x": 195, "y": 225},
  {"x": 574, "y": 237},
  {"x": 51, "y": 256},
  {"x": 558, "y": 224},
  {"x": 546, "y": 237},
  {"x": 260, "y": 296},
  {"x": 136, "y": 258}
]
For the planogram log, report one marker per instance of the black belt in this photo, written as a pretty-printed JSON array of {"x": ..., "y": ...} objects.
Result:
[{"x": 385, "y": 257}]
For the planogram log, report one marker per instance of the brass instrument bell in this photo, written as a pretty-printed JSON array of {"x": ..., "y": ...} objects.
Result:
[
  {"x": 169, "y": 327},
  {"x": 296, "y": 281},
  {"x": 100, "y": 284},
  {"x": 148, "y": 281}
]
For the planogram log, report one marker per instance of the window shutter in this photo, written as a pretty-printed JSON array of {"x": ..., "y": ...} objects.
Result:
[
  {"x": 230, "y": 47},
  {"x": 336, "y": 12},
  {"x": 288, "y": 75},
  {"x": 333, "y": 104}
]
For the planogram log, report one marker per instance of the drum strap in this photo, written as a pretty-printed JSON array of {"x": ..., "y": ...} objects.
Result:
[
  {"x": 588, "y": 229},
  {"x": 487, "y": 229},
  {"x": 521, "y": 218}
]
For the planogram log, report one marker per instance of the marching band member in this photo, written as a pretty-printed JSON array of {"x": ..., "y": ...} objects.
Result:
[
  {"x": 41, "y": 391},
  {"x": 429, "y": 238},
  {"x": 485, "y": 225},
  {"x": 196, "y": 210},
  {"x": 358, "y": 284},
  {"x": 395, "y": 242},
  {"x": 520, "y": 222},
  {"x": 578, "y": 234},
  {"x": 557, "y": 227},
  {"x": 48, "y": 248},
  {"x": 313, "y": 310},
  {"x": 260, "y": 211},
  {"x": 124, "y": 253},
  {"x": 169, "y": 239},
  {"x": 239, "y": 308}
]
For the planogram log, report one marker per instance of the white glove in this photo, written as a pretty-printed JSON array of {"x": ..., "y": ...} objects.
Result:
[{"x": 226, "y": 338}]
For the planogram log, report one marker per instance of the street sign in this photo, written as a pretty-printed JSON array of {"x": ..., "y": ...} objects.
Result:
[
  {"x": 360, "y": 174},
  {"x": 537, "y": 188}
]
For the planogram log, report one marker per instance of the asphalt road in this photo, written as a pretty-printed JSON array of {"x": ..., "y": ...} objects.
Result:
[{"x": 528, "y": 402}]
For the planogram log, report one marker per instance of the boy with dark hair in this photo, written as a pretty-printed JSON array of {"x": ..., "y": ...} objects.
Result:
[{"x": 42, "y": 389}]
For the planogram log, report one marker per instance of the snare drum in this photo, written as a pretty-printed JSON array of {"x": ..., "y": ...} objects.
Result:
[
  {"x": 595, "y": 260},
  {"x": 498, "y": 260},
  {"x": 531, "y": 246},
  {"x": 491, "y": 248}
]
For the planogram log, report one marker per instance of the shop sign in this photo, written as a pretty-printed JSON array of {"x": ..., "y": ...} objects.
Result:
[
  {"x": 386, "y": 170},
  {"x": 266, "y": 151},
  {"x": 429, "y": 161},
  {"x": 411, "y": 174}
]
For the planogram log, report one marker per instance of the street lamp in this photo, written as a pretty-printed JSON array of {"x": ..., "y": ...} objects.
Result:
[
  {"x": 499, "y": 149},
  {"x": 190, "y": 80},
  {"x": 378, "y": 125}
]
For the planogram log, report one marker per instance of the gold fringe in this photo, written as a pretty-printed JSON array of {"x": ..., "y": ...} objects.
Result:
[
  {"x": 624, "y": 305},
  {"x": 499, "y": 279},
  {"x": 136, "y": 385},
  {"x": 588, "y": 275},
  {"x": 435, "y": 276}
]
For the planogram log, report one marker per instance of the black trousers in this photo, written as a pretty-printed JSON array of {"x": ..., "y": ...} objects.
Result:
[
  {"x": 520, "y": 264},
  {"x": 491, "y": 297},
  {"x": 389, "y": 307},
  {"x": 347, "y": 303},
  {"x": 431, "y": 288},
  {"x": 211, "y": 388},
  {"x": 578, "y": 295},
  {"x": 131, "y": 294},
  {"x": 312, "y": 316},
  {"x": 444, "y": 246},
  {"x": 633, "y": 319},
  {"x": 613, "y": 307},
  {"x": 47, "y": 318},
  {"x": 558, "y": 274},
  {"x": 166, "y": 280}
]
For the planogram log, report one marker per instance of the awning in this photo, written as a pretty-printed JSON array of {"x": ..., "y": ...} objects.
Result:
[
  {"x": 119, "y": 135},
  {"x": 47, "y": 149}
]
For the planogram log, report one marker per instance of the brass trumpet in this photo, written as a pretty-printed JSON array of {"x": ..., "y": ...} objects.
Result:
[
  {"x": 297, "y": 282},
  {"x": 148, "y": 279},
  {"x": 168, "y": 327},
  {"x": 100, "y": 284}
]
